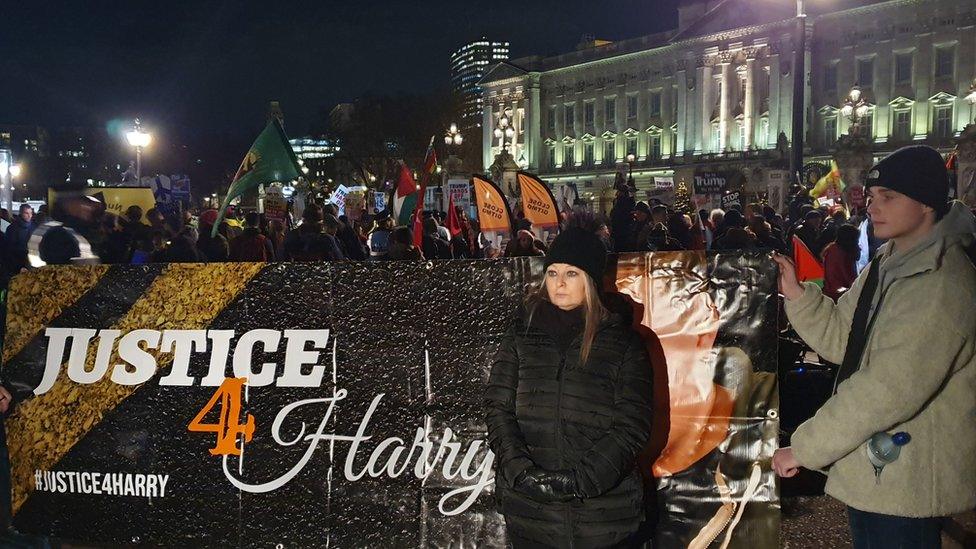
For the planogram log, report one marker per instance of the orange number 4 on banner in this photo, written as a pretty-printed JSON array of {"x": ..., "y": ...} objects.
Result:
[{"x": 227, "y": 427}]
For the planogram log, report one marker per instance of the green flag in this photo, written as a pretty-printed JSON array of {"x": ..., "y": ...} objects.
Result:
[{"x": 270, "y": 159}]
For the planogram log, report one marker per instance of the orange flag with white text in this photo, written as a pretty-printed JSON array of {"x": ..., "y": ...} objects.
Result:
[
  {"x": 493, "y": 212},
  {"x": 538, "y": 204}
]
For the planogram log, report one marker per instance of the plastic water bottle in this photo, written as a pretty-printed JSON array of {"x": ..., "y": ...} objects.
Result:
[{"x": 884, "y": 449}]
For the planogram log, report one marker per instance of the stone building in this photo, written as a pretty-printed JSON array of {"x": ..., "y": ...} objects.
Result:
[{"x": 715, "y": 94}]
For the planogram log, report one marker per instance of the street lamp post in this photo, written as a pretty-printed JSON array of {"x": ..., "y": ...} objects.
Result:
[
  {"x": 630, "y": 170},
  {"x": 504, "y": 130},
  {"x": 453, "y": 138},
  {"x": 855, "y": 109},
  {"x": 799, "y": 82},
  {"x": 138, "y": 139}
]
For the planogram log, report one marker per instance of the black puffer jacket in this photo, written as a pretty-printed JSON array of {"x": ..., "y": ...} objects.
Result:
[{"x": 545, "y": 408}]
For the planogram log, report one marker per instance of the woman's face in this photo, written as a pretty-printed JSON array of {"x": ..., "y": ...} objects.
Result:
[{"x": 566, "y": 286}]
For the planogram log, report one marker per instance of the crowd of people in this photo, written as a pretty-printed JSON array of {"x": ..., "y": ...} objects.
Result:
[
  {"x": 322, "y": 234},
  {"x": 843, "y": 243}
]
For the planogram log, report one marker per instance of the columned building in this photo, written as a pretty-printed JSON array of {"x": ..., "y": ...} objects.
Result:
[{"x": 716, "y": 93}]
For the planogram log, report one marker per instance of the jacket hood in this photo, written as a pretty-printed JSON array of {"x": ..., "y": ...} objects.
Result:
[{"x": 957, "y": 228}]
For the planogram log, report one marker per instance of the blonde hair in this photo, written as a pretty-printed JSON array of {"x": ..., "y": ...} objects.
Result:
[{"x": 593, "y": 310}]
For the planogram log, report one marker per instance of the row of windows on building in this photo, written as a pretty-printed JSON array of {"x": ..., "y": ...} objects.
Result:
[
  {"x": 610, "y": 157},
  {"x": 654, "y": 151},
  {"x": 609, "y": 111},
  {"x": 903, "y": 69},
  {"x": 942, "y": 126}
]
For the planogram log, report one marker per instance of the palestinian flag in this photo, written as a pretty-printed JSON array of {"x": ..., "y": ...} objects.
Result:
[
  {"x": 808, "y": 268},
  {"x": 405, "y": 196}
]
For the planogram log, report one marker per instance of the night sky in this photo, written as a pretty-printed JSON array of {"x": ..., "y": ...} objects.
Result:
[{"x": 191, "y": 69}]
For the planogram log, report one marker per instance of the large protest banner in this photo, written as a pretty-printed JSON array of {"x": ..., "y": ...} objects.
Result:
[{"x": 362, "y": 421}]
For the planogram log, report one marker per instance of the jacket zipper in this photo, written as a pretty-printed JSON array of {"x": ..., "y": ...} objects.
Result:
[{"x": 559, "y": 434}]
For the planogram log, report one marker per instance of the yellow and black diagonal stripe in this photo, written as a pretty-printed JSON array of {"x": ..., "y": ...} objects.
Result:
[{"x": 177, "y": 296}]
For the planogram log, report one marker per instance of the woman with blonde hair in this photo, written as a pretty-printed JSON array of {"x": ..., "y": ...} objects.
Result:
[{"x": 569, "y": 409}]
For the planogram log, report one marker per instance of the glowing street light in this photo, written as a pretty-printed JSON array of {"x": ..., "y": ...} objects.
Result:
[
  {"x": 855, "y": 108},
  {"x": 138, "y": 139},
  {"x": 453, "y": 137}
]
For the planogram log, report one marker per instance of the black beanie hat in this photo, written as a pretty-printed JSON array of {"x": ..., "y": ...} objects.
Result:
[
  {"x": 917, "y": 172},
  {"x": 581, "y": 249}
]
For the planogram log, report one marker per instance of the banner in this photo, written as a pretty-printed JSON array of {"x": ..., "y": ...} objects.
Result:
[
  {"x": 730, "y": 199},
  {"x": 339, "y": 198},
  {"x": 275, "y": 205},
  {"x": 116, "y": 199},
  {"x": 710, "y": 183},
  {"x": 355, "y": 203},
  {"x": 664, "y": 182},
  {"x": 459, "y": 190},
  {"x": 172, "y": 193},
  {"x": 379, "y": 201},
  {"x": 354, "y": 428},
  {"x": 717, "y": 375},
  {"x": 538, "y": 204},
  {"x": 567, "y": 196},
  {"x": 777, "y": 185},
  {"x": 493, "y": 212}
]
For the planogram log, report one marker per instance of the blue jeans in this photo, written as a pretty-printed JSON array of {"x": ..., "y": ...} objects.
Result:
[{"x": 877, "y": 531}]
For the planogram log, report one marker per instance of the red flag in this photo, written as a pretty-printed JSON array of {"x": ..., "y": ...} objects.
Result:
[
  {"x": 418, "y": 228},
  {"x": 453, "y": 223},
  {"x": 807, "y": 266},
  {"x": 430, "y": 164}
]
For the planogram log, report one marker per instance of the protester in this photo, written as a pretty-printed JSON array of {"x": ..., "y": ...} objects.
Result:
[
  {"x": 212, "y": 248},
  {"x": 809, "y": 232},
  {"x": 903, "y": 334},
  {"x": 622, "y": 219},
  {"x": 113, "y": 245},
  {"x": 401, "y": 245},
  {"x": 840, "y": 261},
  {"x": 764, "y": 237},
  {"x": 137, "y": 233},
  {"x": 523, "y": 245},
  {"x": 434, "y": 247},
  {"x": 660, "y": 241},
  {"x": 310, "y": 242},
  {"x": 251, "y": 245},
  {"x": 642, "y": 226},
  {"x": 567, "y": 475},
  {"x": 276, "y": 235},
  {"x": 16, "y": 237},
  {"x": 180, "y": 249},
  {"x": 352, "y": 246},
  {"x": 379, "y": 238}
]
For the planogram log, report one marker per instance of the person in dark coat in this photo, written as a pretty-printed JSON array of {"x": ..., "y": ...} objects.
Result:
[
  {"x": 214, "y": 249},
  {"x": 569, "y": 406},
  {"x": 433, "y": 246},
  {"x": 622, "y": 220},
  {"x": 310, "y": 241},
  {"x": 251, "y": 245},
  {"x": 16, "y": 237}
]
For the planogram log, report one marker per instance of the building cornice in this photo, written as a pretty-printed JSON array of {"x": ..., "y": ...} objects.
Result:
[{"x": 726, "y": 35}]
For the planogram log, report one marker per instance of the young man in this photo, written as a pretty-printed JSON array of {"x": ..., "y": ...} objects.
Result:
[{"x": 908, "y": 362}]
